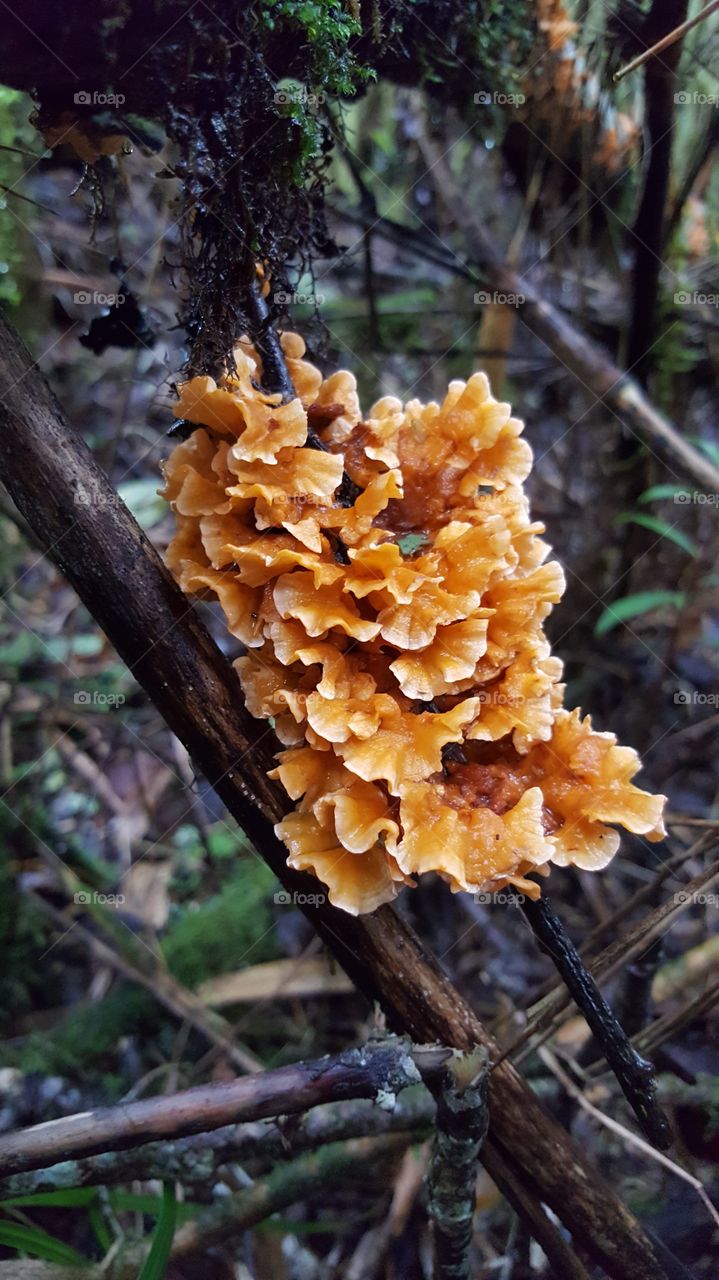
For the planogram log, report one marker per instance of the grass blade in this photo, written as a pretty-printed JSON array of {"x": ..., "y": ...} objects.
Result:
[
  {"x": 635, "y": 605},
  {"x": 158, "y": 1257},
  {"x": 663, "y": 528}
]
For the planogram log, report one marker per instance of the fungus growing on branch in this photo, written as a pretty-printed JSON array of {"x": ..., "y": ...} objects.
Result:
[{"x": 395, "y": 641}]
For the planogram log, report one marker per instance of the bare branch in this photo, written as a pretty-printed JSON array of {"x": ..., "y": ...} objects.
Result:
[
  {"x": 374, "y": 1071},
  {"x": 193, "y": 1160}
]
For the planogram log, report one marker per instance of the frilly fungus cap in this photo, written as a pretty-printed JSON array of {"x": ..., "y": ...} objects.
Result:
[{"x": 390, "y": 591}]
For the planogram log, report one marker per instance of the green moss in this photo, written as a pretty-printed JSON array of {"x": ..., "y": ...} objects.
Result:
[{"x": 229, "y": 930}]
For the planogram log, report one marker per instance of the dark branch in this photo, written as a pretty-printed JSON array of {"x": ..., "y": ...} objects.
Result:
[
  {"x": 373, "y": 1071},
  {"x": 634, "y": 1073},
  {"x": 193, "y": 1160}
]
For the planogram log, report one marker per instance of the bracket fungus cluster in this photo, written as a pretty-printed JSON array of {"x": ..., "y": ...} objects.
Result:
[{"x": 390, "y": 590}]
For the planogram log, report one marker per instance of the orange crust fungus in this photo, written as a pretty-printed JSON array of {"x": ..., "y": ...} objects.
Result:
[{"x": 390, "y": 592}]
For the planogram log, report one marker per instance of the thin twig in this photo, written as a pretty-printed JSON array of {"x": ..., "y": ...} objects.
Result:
[
  {"x": 288, "y": 1183},
  {"x": 632, "y": 1139},
  {"x": 667, "y": 40},
  {"x": 634, "y": 1074},
  {"x": 377, "y": 1070},
  {"x": 585, "y": 359},
  {"x": 545, "y": 1017},
  {"x": 194, "y": 1159},
  {"x": 183, "y": 1004},
  {"x": 662, "y": 1028},
  {"x": 275, "y": 374}
]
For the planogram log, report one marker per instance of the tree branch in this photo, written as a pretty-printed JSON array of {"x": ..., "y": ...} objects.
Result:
[
  {"x": 635, "y": 1074},
  {"x": 374, "y": 1071},
  {"x": 462, "y": 1121},
  {"x": 193, "y": 1160},
  {"x": 340, "y": 1162}
]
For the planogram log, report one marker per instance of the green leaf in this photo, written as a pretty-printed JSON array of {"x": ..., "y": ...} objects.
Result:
[
  {"x": 99, "y": 1226},
  {"x": 411, "y": 542},
  {"x": 158, "y": 1257},
  {"x": 635, "y": 605},
  {"x": 661, "y": 527},
  {"x": 72, "y": 1198},
  {"x": 383, "y": 139},
  {"x": 26, "y": 646},
  {"x": 15, "y": 1235},
  {"x": 658, "y": 491},
  {"x": 151, "y": 1206}
]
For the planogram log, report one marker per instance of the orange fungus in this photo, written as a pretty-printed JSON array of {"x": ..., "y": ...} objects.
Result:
[{"x": 390, "y": 592}]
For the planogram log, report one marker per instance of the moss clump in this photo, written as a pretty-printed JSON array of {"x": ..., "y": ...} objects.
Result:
[{"x": 230, "y": 930}]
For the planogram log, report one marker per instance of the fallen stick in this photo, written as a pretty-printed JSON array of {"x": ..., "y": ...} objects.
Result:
[
  {"x": 374, "y": 1071},
  {"x": 194, "y": 1159},
  {"x": 340, "y": 1163}
]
